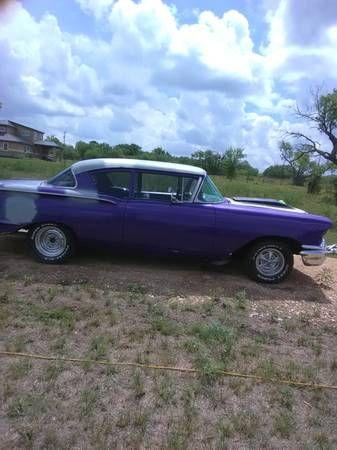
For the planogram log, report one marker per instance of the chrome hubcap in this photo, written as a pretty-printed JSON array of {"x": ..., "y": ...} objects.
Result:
[
  {"x": 50, "y": 241},
  {"x": 270, "y": 262}
]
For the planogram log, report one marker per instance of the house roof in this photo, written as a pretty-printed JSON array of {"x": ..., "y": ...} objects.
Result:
[
  {"x": 11, "y": 138},
  {"x": 46, "y": 143},
  {"x": 11, "y": 123},
  {"x": 118, "y": 163}
]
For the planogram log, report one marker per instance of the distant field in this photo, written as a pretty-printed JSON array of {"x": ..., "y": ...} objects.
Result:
[
  {"x": 259, "y": 187},
  {"x": 29, "y": 168}
]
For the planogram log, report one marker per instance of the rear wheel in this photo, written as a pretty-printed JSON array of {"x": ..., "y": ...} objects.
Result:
[
  {"x": 269, "y": 261},
  {"x": 51, "y": 243}
]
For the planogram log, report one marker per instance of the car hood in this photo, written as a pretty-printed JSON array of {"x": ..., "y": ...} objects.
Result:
[{"x": 283, "y": 211}]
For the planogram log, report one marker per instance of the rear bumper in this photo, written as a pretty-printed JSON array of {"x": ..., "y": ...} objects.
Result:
[{"x": 313, "y": 255}]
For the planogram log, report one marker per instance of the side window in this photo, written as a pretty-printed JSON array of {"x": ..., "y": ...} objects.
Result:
[
  {"x": 157, "y": 186},
  {"x": 114, "y": 183},
  {"x": 64, "y": 179},
  {"x": 209, "y": 193}
]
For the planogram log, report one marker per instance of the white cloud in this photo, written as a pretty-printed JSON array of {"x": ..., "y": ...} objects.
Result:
[
  {"x": 157, "y": 81},
  {"x": 98, "y": 8}
]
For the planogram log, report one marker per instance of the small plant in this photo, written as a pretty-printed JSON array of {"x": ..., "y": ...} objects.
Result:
[
  {"x": 215, "y": 333},
  {"x": 284, "y": 424},
  {"x": 269, "y": 369},
  {"x": 123, "y": 420},
  {"x": 141, "y": 420},
  {"x": 164, "y": 390},
  {"x": 19, "y": 369},
  {"x": 16, "y": 344},
  {"x": 52, "y": 371},
  {"x": 137, "y": 384},
  {"x": 333, "y": 365},
  {"x": 246, "y": 423},
  {"x": 225, "y": 430},
  {"x": 64, "y": 317},
  {"x": 241, "y": 300},
  {"x": 164, "y": 325},
  {"x": 192, "y": 345},
  {"x": 325, "y": 278},
  {"x": 209, "y": 369},
  {"x": 88, "y": 399},
  {"x": 98, "y": 347},
  {"x": 26, "y": 405}
]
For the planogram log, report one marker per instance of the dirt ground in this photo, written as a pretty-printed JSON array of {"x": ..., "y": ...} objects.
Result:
[{"x": 174, "y": 312}]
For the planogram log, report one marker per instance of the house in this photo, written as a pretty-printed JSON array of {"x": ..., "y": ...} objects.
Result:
[{"x": 18, "y": 141}]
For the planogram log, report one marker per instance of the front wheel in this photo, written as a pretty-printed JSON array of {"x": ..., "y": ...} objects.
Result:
[
  {"x": 269, "y": 261},
  {"x": 51, "y": 243}
]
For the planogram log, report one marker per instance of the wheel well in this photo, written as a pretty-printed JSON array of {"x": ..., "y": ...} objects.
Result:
[{"x": 293, "y": 244}]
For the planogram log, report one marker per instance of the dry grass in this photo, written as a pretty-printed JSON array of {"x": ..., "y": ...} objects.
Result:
[{"x": 62, "y": 405}]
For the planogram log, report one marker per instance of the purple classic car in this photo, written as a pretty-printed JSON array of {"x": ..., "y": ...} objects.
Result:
[{"x": 161, "y": 207}]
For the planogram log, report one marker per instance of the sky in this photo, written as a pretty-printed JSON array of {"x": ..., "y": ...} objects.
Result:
[{"x": 182, "y": 74}]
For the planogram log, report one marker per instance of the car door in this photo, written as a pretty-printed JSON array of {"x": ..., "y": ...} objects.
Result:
[
  {"x": 102, "y": 221},
  {"x": 161, "y": 215}
]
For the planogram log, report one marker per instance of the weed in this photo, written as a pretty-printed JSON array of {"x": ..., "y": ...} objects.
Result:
[
  {"x": 322, "y": 441},
  {"x": 268, "y": 369},
  {"x": 63, "y": 317},
  {"x": 141, "y": 420},
  {"x": 16, "y": 344},
  {"x": 225, "y": 430},
  {"x": 333, "y": 364},
  {"x": 209, "y": 369},
  {"x": 164, "y": 325},
  {"x": 286, "y": 397},
  {"x": 113, "y": 316},
  {"x": 123, "y": 419},
  {"x": 176, "y": 439},
  {"x": 52, "y": 371},
  {"x": 325, "y": 278},
  {"x": 88, "y": 400},
  {"x": 98, "y": 347},
  {"x": 246, "y": 423},
  {"x": 250, "y": 349},
  {"x": 19, "y": 369},
  {"x": 215, "y": 333},
  {"x": 241, "y": 300},
  {"x": 26, "y": 405},
  {"x": 164, "y": 390},
  {"x": 192, "y": 345},
  {"x": 137, "y": 384},
  {"x": 284, "y": 424}
]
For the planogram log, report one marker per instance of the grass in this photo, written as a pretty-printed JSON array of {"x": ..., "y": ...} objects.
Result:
[{"x": 144, "y": 408}]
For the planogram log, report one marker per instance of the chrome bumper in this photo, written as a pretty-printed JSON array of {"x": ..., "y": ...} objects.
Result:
[{"x": 313, "y": 255}]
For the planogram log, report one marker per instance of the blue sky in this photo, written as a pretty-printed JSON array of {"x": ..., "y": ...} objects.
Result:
[{"x": 185, "y": 74}]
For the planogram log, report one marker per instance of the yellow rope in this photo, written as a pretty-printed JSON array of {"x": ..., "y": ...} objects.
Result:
[{"x": 171, "y": 368}]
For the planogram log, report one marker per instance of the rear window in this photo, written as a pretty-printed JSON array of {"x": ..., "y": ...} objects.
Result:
[
  {"x": 64, "y": 179},
  {"x": 114, "y": 183}
]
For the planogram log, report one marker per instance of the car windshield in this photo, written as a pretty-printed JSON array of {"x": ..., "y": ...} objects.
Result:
[{"x": 209, "y": 192}]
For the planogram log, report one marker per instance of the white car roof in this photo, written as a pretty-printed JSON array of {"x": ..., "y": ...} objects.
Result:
[{"x": 119, "y": 163}]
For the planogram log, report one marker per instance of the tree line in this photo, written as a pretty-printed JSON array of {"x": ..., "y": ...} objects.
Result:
[{"x": 304, "y": 161}]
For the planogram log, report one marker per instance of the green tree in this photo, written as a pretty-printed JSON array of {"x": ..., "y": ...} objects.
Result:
[
  {"x": 81, "y": 148},
  {"x": 298, "y": 162},
  {"x": 208, "y": 160},
  {"x": 280, "y": 171},
  {"x": 231, "y": 160}
]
